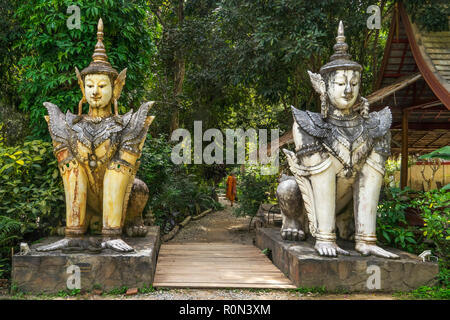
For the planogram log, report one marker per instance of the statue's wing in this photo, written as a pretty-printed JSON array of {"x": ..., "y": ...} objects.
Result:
[
  {"x": 311, "y": 122},
  {"x": 379, "y": 123},
  {"x": 57, "y": 123},
  {"x": 136, "y": 128}
]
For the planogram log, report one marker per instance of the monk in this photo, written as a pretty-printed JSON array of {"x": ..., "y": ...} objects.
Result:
[{"x": 231, "y": 188}]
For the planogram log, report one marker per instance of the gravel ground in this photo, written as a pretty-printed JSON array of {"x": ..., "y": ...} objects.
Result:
[{"x": 215, "y": 294}]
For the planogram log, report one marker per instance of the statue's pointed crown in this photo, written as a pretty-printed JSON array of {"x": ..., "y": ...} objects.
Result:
[
  {"x": 341, "y": 58},
  {"x": 100, "y": 63}
]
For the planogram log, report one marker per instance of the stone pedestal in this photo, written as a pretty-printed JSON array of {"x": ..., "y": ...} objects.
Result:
[
  {"x": 305, "y": 268},
  {"x": 48, "y": 272}
]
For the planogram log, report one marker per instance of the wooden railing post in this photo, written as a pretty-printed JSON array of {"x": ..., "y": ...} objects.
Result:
[{"x": 404, "y": 163}]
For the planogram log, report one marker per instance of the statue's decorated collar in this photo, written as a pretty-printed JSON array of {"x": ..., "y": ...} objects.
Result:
[{"x": 340, "y": 59}]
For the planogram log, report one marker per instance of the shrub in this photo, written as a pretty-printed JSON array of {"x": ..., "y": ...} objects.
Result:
[
  {"x": 31, "y": 194},
  {"x": 254, "y": 189},
  {"x": 174, "y": 193},
  {"x": 434, "y": 208}
]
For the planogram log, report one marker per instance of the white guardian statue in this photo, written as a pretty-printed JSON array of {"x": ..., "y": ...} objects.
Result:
[{"x": 338, "y": 163}]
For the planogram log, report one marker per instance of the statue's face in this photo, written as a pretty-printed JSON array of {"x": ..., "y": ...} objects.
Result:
[
  {"x": 343, "y": 88},
  {"x": 98, "y": 90}
]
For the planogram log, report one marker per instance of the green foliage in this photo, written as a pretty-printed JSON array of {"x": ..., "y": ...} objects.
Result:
[
  {"x": 31, "y": 193},
  {"x": 426, "y": 293},
  {"x": 174, "y": 192},
  {"x": 430, "y": 15},
  {"x": 246, "y": 61},
  {"x": 10, "y": 32},
  {"x": 442, "y": 153},
  {"x": 147, "y": 289},
  {"x": 305, "y": 290},
  {"x": 68, "y": 293},
  {"x": 13, "y": 125},
  {"x": 253, "y": 189},
  {"x": 434, "y": 208},
  {"x": 51, "y": 52},
  {"x": 391, "y": 221},
  {"x": 118, "y": 291}
]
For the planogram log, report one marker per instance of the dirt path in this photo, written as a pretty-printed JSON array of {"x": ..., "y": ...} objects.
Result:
[{"x": 219, "y": 226}]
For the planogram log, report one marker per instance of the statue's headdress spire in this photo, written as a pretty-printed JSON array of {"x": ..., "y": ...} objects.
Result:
[
  {"x": 100, "y": 63},
  {"x": 341, "y": 58}
]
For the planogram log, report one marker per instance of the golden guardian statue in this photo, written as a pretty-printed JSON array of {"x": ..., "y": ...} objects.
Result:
[{"x": 98, "y": 156}]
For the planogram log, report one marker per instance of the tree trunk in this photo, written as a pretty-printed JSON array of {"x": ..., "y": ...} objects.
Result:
[{"x": 179, "y": 72}]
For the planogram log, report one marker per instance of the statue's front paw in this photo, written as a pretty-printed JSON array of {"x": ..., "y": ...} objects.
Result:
[
  {"x": 292, "y": 234},
  {"x": 329, "y": 249},
  {"x": 136, "y": 231},
  {"x": 368, "y": 249},
  {"x": 60, "y": 244},
  {"x": 117, "y": 245}
]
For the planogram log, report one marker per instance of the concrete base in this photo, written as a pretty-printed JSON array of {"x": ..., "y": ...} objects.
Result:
[
  {"x": 305, "y": 268},
  {"x": 47, "y": 272}
]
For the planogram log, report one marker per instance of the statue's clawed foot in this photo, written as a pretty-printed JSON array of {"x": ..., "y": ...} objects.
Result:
[
  {"x": 60, "y": 244},
  {"x": 372, "y": 249},
  {"x": 292, "y": 234},
  {"x": 136, "y": 230},
  {"x": 291, "y": 230},
  {"x": 117, "y": 245},
  {"x": 329, "y": 249}
]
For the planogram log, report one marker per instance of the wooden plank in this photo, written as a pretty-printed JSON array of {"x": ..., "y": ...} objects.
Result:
[
  {"x": 199, "y": 264},
  {"x": 210, "y": 254},
  {"x": 215, "y": 269},
  {"x": 198, "y": 251},
  {"x": 230, "y": 277},
  {"x": 227, "y": 285},
  {"x": 205, "y": 245},
  {"x": 438, "y": 50},
  {"x": 216, "y": 265}
]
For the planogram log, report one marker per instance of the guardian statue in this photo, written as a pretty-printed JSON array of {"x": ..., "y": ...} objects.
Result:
[
  {"x": 98, "y": 156},
  {"x": 338, "y": 163}
]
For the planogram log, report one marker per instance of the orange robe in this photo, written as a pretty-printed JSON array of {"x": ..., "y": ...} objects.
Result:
[{"x": 231, "y": 188}]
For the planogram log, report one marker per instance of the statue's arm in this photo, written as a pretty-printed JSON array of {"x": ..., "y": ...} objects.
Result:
[{"x": 309, "y": 150}]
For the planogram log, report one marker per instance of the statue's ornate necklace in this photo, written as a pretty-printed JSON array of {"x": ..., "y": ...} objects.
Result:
[
  {"x": 94, "y": 119},
  {"x": 350, "y": 121}
]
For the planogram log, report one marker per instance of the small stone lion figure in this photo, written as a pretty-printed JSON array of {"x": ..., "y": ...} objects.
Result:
[{"x": 98, "y": 156}]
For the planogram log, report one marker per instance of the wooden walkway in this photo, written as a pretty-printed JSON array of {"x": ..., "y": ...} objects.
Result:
[{"x": 216, "y": 265}]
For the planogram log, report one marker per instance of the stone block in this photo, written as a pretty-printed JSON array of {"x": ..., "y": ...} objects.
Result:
[
  {"x": 354, "y": 273},
  {"x": 47, "y": 272}
]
